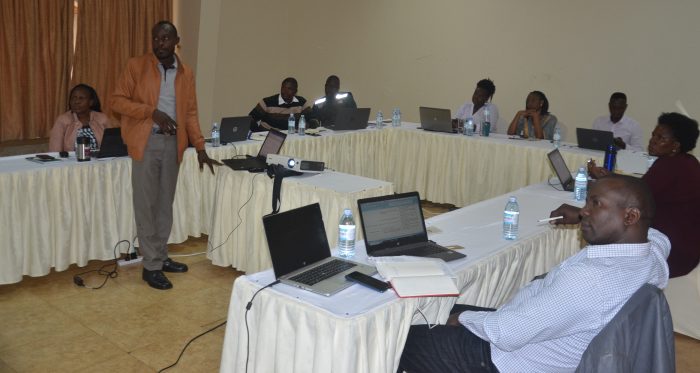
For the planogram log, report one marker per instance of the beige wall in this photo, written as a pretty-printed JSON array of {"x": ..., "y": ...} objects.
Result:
[{"x": 408, "y": 53}]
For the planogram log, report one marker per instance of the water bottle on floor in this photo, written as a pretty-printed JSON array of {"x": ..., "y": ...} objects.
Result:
[
  {"x": 346, "y": 235},
  {"x": 302, "y": 126},
  {"x": 580, "y": 184},
  {"x": 511, "y": 214},
  {"x": 215, "y": 135},
  {"x": 380, "y": 120},
  {"x": 291, "y": 125}
]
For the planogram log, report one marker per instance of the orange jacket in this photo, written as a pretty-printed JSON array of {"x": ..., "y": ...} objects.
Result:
[{"x": 135, "y": 98}]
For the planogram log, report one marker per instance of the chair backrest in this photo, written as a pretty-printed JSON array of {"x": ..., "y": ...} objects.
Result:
[{"x": 638, "y": 339}]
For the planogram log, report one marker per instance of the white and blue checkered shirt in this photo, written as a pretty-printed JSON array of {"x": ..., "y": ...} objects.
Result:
[{"x": 548, "y": 324}]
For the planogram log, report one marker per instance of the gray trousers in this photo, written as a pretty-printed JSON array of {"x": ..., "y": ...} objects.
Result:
[{"x": 153, "y": 182}]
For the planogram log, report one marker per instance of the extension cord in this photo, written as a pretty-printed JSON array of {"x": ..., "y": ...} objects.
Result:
[{"x": 124, "y": 262}]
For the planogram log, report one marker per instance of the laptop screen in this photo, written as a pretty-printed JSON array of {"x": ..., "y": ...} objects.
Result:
[
  {"x": 562, "y": 171},
  {"x": 296, "y": 238},
  {"x": 391, "y": 218},
  {"x": 272, "y": 144}
]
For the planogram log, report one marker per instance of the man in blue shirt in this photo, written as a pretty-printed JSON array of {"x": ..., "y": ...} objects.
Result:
[{"x": 549, "y": 323}]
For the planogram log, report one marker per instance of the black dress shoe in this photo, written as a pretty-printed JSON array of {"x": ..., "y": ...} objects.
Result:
[
  {"x": 156, "y": 280},
  {"x": 170, "y": 266}
]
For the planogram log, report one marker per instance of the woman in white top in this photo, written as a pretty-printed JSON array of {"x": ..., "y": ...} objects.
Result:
[
  {"x": 476, "y": 108},
  {"x": 84, "y": 119}
]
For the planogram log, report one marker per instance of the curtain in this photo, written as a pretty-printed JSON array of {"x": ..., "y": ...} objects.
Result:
[
  {"x": 35, "y": 60},
  {"x": 109, "y": 33}
]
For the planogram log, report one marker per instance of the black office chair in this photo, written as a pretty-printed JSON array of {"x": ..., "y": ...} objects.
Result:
[{"x": 638, "y": 339}]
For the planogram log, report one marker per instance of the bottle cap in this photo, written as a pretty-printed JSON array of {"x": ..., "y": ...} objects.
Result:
[
  {"x": 347, "y": 212},
  {"x": 512, "y": 199}
]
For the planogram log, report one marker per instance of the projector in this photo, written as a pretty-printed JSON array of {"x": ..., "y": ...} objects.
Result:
[{"x": 295, "y": 164}]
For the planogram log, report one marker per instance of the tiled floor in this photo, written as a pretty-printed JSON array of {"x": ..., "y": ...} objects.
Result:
[{"x": 47, "y": 324}]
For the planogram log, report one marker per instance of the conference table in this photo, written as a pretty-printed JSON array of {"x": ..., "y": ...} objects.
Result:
[
  {"x": 237, "y": 237},
  {"x": 359, "y": 330},
  {"x": 59, "y": 213}
]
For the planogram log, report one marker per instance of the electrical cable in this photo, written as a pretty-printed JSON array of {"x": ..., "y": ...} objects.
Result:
[
  {"x": 78, "y": 280},
  {"x": 188, "y": 344},
  {"x": 426, "y": 319},
  {"x": 247, "y": 331},
  {"x": 240, "y": 219},
  {"x": 549, "y": 182}
]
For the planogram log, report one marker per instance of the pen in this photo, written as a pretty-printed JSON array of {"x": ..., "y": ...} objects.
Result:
[{"x": 550, "y": 219}]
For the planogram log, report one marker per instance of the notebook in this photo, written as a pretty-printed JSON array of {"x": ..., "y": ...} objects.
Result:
[
  {"x": 433, "y": 119},
  {"x": 112, "y": 144},
  {"x": 349, "y": 119},
  {"x": 563, "y": 173},
  {"x": 593, "y": 139},
  {"x": 300, "y": 253},
  {"x": 393, "y": 225},
  {"x": 272, "y": 145},
  {"x": 234, "y": 129}
]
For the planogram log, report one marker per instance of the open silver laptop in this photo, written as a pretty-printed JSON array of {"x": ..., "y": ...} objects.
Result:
[
  {"x": 300, "y": 253},
  {"x": 394, "y": 225},
  {"x": 434, "y": 119}
]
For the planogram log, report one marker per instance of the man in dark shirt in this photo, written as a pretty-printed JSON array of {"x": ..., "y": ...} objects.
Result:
[
  {"x": 326, "y": 107},
  {"x": 273, "y": 111}
]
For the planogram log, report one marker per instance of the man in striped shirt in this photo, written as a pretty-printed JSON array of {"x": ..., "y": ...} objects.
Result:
[{"x": 549, "y": 323}]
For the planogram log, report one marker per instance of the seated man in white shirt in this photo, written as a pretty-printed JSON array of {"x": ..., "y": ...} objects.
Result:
[
  {"x": 549, "y": 322},
  {"x": 476, "y": 108},
  {"x": 626, "y": 131}
]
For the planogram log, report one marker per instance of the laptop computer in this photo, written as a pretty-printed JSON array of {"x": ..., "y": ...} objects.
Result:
[
  {"x": 349, "y": 119},
  {"x": 272, "y": 145},
  {"x": 112, "y": 144},
  {"x": 434, "y": 119},
  {"x": 593, "y": 139},
  {"x": 300, "y": 253},
  {"x": 562, "y": 171},
  {"x": 394, "y": 225},
  {"x": 234, "y": 129}
]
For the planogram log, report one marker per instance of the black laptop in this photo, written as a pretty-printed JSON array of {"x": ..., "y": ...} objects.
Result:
[
  {"x": 272, "y": 145},
  {"x": 112, "y": 144},
  {"x": 301, "y": 255},
  {"x": 234, "y": 129},
  {"x": 393, "y": 225},
  {"x": 349, "y": 119},
  {"x": 562, "y": 171},
  {"x": 593, "y": 139}
]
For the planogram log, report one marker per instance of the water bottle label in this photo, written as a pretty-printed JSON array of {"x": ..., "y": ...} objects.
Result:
[
  {"x": 510, "y": 217},
  {"x": 346, "y": 233}
]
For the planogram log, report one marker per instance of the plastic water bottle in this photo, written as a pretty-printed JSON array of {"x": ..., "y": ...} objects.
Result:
[
  {"x": 302, "y": 126},
  {"x": 486, "y": 125},
  {"x": 396, "y": 118},
  {"x": 511, "y": 215},
  {"x": 215, "y": 135},
  {"x": 580, "y": 184},
  {"x": 380, "y": 120},
  {"x": 469, "y": 126},
  {"x": 291, "y": 125},
  {"x": 556, "y": 138},
  {"x": 346, "y": 235}
]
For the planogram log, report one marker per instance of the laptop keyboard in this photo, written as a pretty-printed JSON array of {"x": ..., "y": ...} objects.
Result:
[{"x": 322, "y": 272}]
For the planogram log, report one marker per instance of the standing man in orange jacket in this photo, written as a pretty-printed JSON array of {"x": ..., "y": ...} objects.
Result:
[{"x": 155, "y": 96}]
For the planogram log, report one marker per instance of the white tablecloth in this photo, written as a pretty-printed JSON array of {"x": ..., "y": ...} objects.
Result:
[
  {"x": 64, "y": 212},
  {"x": 359, "y": 330},
  {"x": 238, "y": 239}
]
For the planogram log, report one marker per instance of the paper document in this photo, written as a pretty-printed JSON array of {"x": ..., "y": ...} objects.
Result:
[{"x": 418, "y": 278}]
